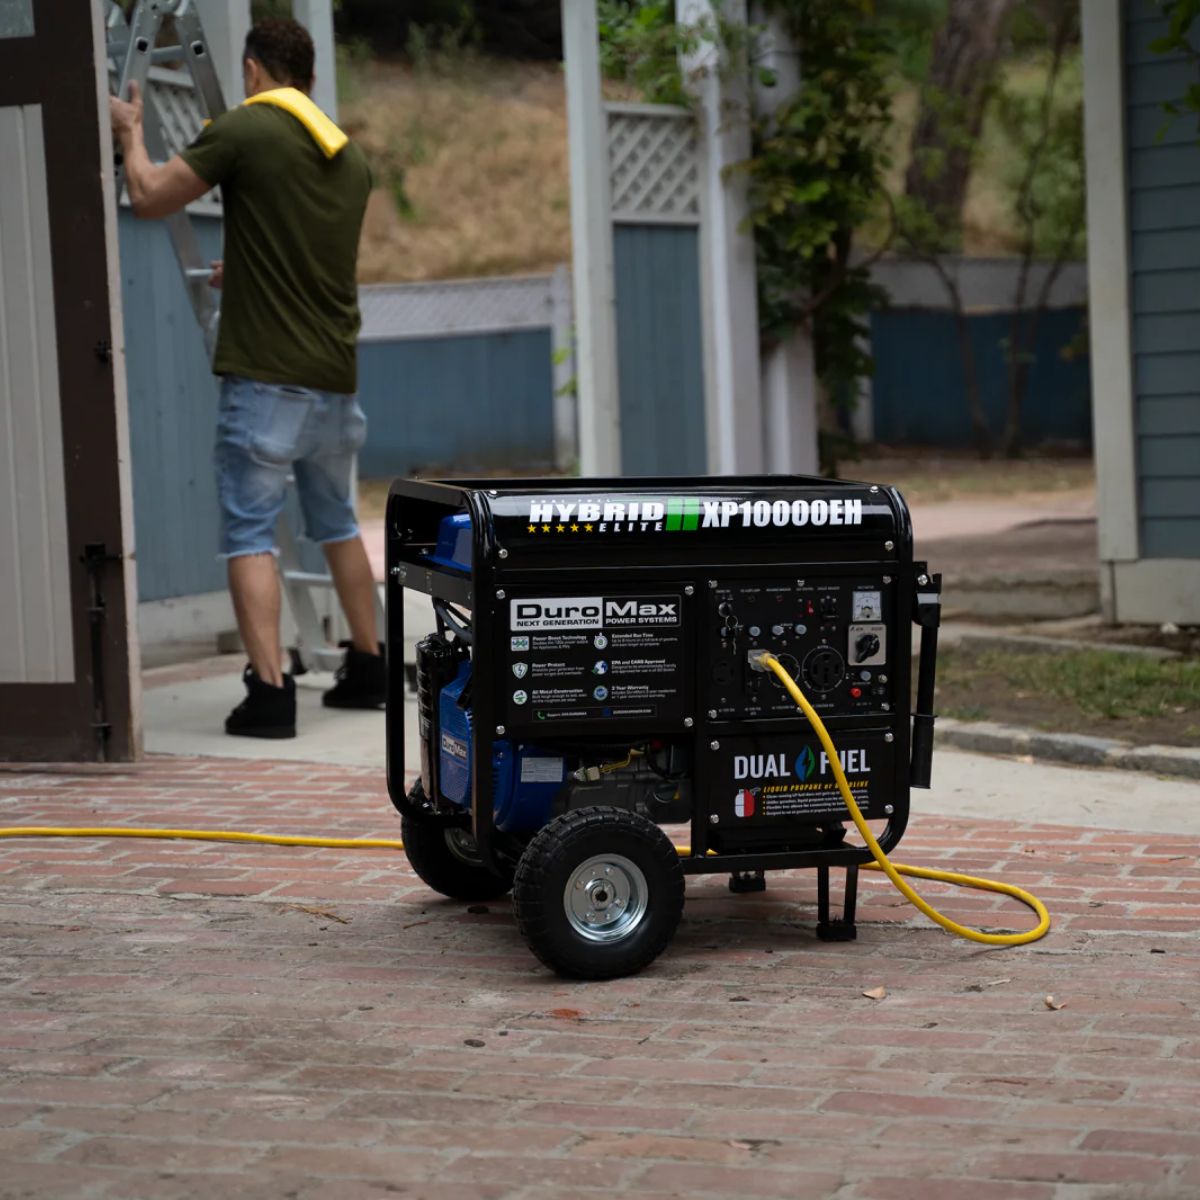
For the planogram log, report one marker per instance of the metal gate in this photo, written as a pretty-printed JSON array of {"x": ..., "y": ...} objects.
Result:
[{"x": 67, "y": 657}]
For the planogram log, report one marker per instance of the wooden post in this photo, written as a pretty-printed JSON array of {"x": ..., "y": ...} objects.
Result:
[
  {"x": 566, "y": 450},
  {"x": 788, "y": 370},
  {"x": 732, "y": 381},
  {"x": 592, "y": 245}
]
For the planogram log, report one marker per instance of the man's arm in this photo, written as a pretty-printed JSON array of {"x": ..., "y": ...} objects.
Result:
[{"x": 154, "y": 190}]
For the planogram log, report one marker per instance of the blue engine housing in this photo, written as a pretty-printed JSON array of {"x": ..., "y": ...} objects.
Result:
[{"x": 525, "y": 779}]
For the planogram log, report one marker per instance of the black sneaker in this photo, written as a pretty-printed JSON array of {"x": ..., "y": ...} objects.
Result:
[
  {"x": 361, "y": 681},
  {"x": 266, "y": 712}
]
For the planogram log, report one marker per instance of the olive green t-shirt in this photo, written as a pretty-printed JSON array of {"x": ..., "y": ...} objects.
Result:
[{"x": 289, "y": 301}]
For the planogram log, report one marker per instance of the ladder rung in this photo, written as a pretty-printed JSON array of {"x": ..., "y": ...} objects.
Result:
[{"x": 310, "y": 578}]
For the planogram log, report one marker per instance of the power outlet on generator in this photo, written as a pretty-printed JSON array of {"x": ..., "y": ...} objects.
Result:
[{"x": 829, "y": 634}]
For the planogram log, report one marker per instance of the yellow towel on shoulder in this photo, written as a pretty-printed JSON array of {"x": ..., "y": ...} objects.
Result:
[{"x": 324, "y": 132}]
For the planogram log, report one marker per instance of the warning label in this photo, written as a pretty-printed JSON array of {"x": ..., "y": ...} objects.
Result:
[{"x": 589, "y": 658}]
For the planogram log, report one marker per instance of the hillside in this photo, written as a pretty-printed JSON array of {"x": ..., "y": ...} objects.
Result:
[
  {"x": 470, "y": 165},
  {"x": 470, "y": 157}
]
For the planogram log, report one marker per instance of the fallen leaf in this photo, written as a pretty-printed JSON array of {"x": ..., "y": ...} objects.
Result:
[
  {"x": 567, "y": 1014},
  {"x": 475, "y": 1043},
  {"x": 1054, "y": 1005},
  {"x": 878, "y": 993},
  {"x": 320, "y": 912}
]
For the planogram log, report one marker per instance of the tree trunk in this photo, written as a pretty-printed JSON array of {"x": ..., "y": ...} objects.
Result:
[{"x": 966, "y": 52}]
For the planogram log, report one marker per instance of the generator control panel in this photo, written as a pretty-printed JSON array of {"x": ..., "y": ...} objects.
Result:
[{"x": 830, "y": 633}]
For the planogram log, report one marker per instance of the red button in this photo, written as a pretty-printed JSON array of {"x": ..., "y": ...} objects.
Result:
[{"x": 856, "y": 692}]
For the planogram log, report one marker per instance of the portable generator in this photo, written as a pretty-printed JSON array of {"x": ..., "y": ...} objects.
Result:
[{"x": 597, "y": 673}]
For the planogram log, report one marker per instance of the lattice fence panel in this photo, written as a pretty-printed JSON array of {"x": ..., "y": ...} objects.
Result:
[{"x": 653, "y": 164}]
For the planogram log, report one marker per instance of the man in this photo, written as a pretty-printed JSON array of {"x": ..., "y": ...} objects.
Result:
[{"x": 294, "y": 191}]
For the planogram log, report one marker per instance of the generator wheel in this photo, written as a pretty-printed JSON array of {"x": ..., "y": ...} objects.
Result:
[
  {"x": 598, "y": 893},
  {"x": 446, "y": 857}
]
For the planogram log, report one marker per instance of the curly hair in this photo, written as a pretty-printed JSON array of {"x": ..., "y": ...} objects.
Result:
[{"x": 285, "y": 50}]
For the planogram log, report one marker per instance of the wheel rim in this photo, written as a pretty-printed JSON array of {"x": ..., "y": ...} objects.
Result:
[
  {"x": 606, "y": 898},
  {"x": 463, "y": 846}
]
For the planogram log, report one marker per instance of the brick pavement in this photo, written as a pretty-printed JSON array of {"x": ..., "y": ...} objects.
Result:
[{"x": 192, "y": 1020}]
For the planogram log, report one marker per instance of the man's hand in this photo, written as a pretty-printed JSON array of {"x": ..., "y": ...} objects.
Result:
[
  {"x": 126, "y": 115},
  {"x": 217, "y": 278}
]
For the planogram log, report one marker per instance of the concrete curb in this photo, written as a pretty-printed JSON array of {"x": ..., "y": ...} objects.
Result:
[{"x": 988, "y": 737}]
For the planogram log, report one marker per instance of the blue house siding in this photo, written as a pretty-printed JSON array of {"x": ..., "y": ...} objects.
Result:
[
  {"x": 172, "y": 415},
  {"x": 918, "y": 392},
  {"x": 1164, "y": 217},
  {"x": 661, "y": 350},
  {"x": 474, "y": 402}
]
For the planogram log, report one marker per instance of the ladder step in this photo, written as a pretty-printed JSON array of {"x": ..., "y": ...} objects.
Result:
[{"x": 310, "y": 578}]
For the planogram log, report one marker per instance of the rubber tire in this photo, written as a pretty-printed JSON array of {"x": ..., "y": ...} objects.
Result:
[
  {"x": 430, "y": 856},
  {"x": 546, "y": 866}
]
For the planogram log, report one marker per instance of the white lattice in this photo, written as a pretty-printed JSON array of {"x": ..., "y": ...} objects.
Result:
[
  {"x": 413, "y": 310},
  {"x": 179, "y": 108},
  {"x": 653, "y": 164}
]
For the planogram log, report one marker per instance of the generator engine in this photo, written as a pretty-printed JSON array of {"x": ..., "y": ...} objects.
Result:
[{"x": 532, "y": 784}]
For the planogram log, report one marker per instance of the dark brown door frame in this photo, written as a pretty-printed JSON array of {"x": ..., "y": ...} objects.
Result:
[{"x": 94, "y": 717}]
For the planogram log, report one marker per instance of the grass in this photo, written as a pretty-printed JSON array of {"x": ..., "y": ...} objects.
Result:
[
  {"x": 470, "y": 159},
  {"x": 1094, "y": 683}
]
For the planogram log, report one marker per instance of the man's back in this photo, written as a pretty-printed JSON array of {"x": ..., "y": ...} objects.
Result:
[{"x": 289, "y": 311}]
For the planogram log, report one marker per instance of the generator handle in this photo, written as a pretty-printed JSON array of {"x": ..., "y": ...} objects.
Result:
[{"x": 927, "y": 613}]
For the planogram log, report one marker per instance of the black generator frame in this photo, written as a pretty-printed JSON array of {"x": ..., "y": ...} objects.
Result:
[{"x": 415, "y": 510}]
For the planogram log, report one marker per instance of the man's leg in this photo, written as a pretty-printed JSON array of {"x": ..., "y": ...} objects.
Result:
[
  {"x": 258, "y": 429},
  {"x": 254, "y": 585},
  {"x": 323, "y": 480},
  {"x": 355, "y": 584}
]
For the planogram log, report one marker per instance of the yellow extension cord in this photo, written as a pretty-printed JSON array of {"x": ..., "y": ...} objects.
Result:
[
  {"x": 881, "y": 863},
  {"x": 894, "y": 870}
]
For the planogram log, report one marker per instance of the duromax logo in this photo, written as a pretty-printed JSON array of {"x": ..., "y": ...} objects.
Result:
[{"x": 806, "y": 762}]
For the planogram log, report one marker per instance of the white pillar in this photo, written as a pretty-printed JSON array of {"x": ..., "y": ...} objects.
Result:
[
  {"x": 226, "y": 23},
  {"x": 566, "y": 444},
  {"x": 789, "y": 381},
  {"x": 592, "y": 245},
  {"x": 317, "y": 17},
  {"x": 1113, "y": 433},
  {"x": 732, "y": 385}
]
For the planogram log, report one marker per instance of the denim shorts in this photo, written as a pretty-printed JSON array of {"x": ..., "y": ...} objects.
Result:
[{"x": 268, "y": 431}]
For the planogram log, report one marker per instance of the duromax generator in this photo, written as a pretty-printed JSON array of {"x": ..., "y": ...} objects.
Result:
[{"x": 595, "y": 675}]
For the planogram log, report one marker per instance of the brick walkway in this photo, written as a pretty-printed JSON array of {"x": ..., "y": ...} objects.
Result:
[{"x": 190, "y": 1020}]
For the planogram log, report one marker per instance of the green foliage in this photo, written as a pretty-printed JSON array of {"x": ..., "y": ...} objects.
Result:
[
  {"x": 1045, "y": 177},
  {"x": 640, "y": 45},
  {"x": 269, "y": 8},
  {"x": 816, "y": 176},
  {"x": 818, "y": 161},
  {"x": 516, "y": 28},
  {"x": 906, "y": 26}
]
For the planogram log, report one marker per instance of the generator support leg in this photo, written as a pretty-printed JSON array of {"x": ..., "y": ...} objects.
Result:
[
  {"x": 741, "y": 882},
  {"x": 840, "y": 929}
]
